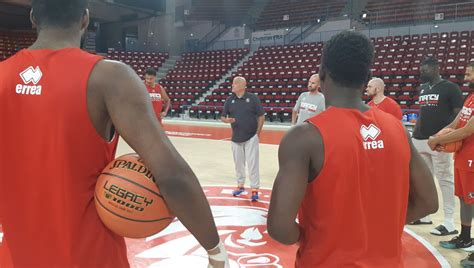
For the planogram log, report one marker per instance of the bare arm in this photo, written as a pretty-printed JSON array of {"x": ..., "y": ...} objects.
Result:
[
  {"x": 457, "y": 135},
  {"x": 295, "y": 113},
  {"x": 294, "y": 116},
  {"x": 423, "y": 198},
  {"x": 291, "y": 182},
  {"x": 127, "y": 103},
  {"x": 261, "y": 121},
  {"x": 167, "y": 101}
]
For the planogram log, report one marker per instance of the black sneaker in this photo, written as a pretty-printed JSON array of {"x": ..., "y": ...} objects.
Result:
[{"x": 455, "y": 243}]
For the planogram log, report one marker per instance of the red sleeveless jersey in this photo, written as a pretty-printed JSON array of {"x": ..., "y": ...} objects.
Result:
[
  {"x": 464, "y": 158},
  {"x": 354, "y": 212},
  {"x": 156, "y": 99},
  {"x": 50, "y": 158}
]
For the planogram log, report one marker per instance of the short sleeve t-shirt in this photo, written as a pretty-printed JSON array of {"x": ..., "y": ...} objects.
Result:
[
  {"x": 309, "y": 105},
  {"x": 245, "y": 110},
  {"x": 389, "y": 106},
  {"x": 437, "y": 104}
]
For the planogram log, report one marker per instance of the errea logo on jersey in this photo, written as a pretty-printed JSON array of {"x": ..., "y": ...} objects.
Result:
[
  {"x": 370, "y": 134},
  {"x": 31, "y": 77}
]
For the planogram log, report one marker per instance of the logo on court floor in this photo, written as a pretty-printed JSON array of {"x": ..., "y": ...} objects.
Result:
[
  {"x": 31, "y": 77},
  {"x": 370, "y": 134},
  {"x": 242, "y": 228}
]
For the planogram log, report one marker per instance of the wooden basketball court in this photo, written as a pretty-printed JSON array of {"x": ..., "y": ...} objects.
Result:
[{"x": 206, "y": 147}]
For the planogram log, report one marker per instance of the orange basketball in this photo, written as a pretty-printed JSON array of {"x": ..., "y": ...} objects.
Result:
[
  {"x": 128, "y": 201},
  {"x": 450, "y": 147}
]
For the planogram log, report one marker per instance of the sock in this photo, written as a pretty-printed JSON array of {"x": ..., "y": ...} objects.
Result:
[
  {"x": 449, "y": 224},
  {"x": 465, "y": 233}
]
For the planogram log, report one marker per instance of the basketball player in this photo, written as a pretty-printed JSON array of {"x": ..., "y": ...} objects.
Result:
[
  {"x": 310, "y": 103},
  {"x": 351, "y": 173},
  {"x": 463, "y": 166},
  {"x": 375, "y": 90},
  {"x": 158, "y": 94},
  {"x": 58, "y": 133}
]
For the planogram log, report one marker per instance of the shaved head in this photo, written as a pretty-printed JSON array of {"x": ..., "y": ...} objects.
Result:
[
  {"x": 375, "y": 87},
  {"x": 240, "y": 80},
  {"x": 379, "y": 83},
  {"x": 314, "y": 83}
]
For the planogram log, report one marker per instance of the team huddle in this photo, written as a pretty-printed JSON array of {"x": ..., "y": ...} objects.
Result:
[{"x": 333, "y": 164}]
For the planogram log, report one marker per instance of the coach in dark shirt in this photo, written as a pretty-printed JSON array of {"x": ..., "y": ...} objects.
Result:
[
  {"x": 245, "y": 113},
  {"x": 440, "y": 102}
]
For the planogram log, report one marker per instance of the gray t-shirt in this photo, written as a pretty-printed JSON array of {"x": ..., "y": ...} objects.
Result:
[
  {"x": 245, "y": 110},
  {"x": 309, "y": 105}
]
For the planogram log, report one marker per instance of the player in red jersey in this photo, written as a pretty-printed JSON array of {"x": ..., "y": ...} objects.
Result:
[
  {"x": 60, "y": 115},
  {"x": 158, "y": 94},
  {"x": 463, "y": 167},
  {"x": 351, "y": 174},
  {"x": 375, "y": 90}
]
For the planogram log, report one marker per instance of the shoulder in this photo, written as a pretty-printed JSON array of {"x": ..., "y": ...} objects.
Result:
[
  {"x": 112, "y": 66},
  {"x": 11, "y": 60},
  {"x": 391, "y": 101},
  {"x": 450, "y": 85},
  {"x": 230, "y": 98},
  {"x": 84, "y": 53},
  {"x": 302, "y": 138},
  {"x": 122, "y": 74},
  {"x": 320, "y": 95},
  {"x": 253, "y": 96},
  {"x": 386, "y": 118}
]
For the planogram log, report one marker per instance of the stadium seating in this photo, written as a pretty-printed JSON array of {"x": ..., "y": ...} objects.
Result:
[
  {"x": 139, "y": 61},
  {"x": 13, "y": 41},
  {"x": 196, "y": 72},
  {"x": 406, "y": 11},
  {"x": 299, "y": 12},
  {"x": 278, "y": 74}
]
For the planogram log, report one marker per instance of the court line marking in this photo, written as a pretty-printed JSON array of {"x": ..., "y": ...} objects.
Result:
[{"x": 439, "y": 257}]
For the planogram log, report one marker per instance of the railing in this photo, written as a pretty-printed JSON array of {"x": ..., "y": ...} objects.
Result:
[
  {"x": 228, "y": 44},
  {"x": 424, "y": 14},
  {"x": 211, "y": 36},
  {"x": 319, "y": 15},
  {"x": 271, "y": 113}
]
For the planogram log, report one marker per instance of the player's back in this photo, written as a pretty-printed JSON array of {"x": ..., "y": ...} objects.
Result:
[
  {"x": 354, "y": 212},
  {"x": 50, "y": 158}
]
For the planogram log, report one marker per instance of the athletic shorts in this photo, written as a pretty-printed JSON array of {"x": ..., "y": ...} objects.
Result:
[{"x": 464, "y": 185}]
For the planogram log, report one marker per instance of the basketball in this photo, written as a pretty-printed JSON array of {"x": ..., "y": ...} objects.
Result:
[
  {"x": 128, "y": 201},
  {"x": 450, "y": 147}
]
